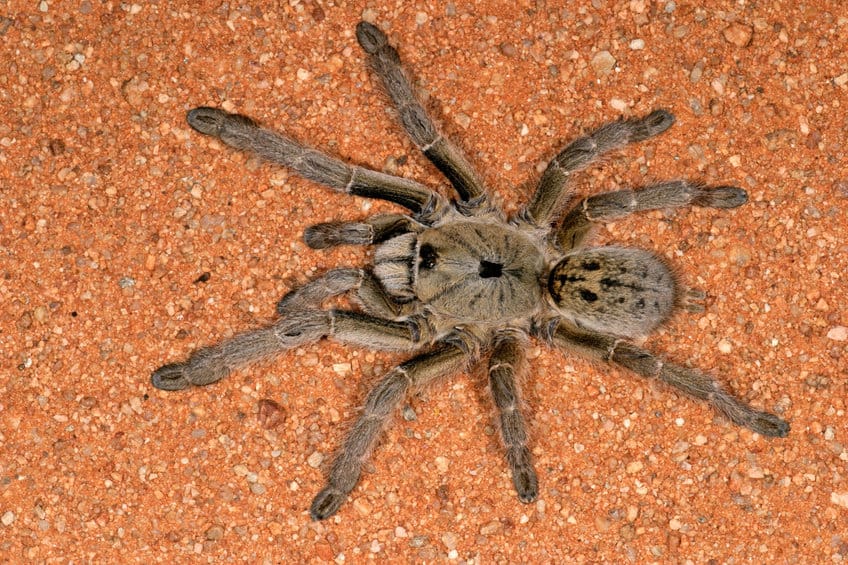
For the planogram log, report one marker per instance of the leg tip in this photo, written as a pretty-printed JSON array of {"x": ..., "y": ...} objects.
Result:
[
  {"x": 320, "y": 236},
  {"x": 769, "y": 425},
  {"x": 524, "y": 478},
  {"x": 206, "y": 120},
  {"x": 170, "y": 377},
  {"x": 722, "y": 197},
  {"x": 653, "y": 124},
  {"x": 215, "y": 122},
  {"x": 326, "y": 503},
  {"x": 370, "y": 37}
]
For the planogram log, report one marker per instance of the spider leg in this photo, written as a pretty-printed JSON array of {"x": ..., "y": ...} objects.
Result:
[
  {"x": 297, "y": 327},
  {"x": 210, "y": 364},
  {"x": 312, "y": 294},
  {"x": 691, "y": 382},
  {"x": 552, "y": 192},
  {"x": 368, "y": 293},
  {"x": 418, "y": 125},
  {"x": 610, "y": 206},
  {"x": 374, "y": 299},
  {"x": 375, "y": 229},
  {"x": 447, "y": 357},
  {"x": 240, "y": 132},
  {"x": 505, "y": 364}
]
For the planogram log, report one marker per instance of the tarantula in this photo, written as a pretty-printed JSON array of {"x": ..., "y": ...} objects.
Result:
[{"x": 458, "y": 280}]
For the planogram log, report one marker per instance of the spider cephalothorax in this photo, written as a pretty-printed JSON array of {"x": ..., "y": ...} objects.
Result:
[{"x": 460, "y": 280}]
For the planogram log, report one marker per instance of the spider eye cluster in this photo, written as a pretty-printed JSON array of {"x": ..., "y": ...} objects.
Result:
[{"x": 427, "y": 256}]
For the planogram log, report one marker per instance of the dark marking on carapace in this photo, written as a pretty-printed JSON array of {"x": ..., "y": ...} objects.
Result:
[
  {"x": 428, "y": 256},
  {"x": 588, "y": 295},
  {"x": 490, "y": 270},
  {"x": 608, "y": 282}
]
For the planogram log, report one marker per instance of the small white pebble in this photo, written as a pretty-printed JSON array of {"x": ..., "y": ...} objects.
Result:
[
  {"x": 756, "y": 473},
  {"x": 675, "y": 524},
  {"x": 449, "y": 539},
  {"x": 315, "y": 459},
  {"x": 341, "y": 368},
  {"x": 441, "y": 464},
  {"x": 8, "y": 518},
  {"x": 838, "y": 333},
  {"x": 603, "y": 62},
  {"x": 679, "y": 422},
  {"x": 839, "y": 498},
  {"x": 725, "y": 346},
  {"x": 302, "y": 74},
  {"x": 618, "y": 104},
  {"x": 421, "y": 18},
  {"x": 637, "y": 44}
]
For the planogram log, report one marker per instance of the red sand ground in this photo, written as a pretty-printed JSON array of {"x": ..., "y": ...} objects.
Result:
[{"x": 112, "y": 208}]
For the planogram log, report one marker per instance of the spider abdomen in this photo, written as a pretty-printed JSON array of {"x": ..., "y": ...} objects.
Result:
[{"x": 620, "y": 291}]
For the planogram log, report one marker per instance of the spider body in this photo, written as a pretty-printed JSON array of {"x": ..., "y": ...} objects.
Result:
[
  {"x": 458, "y": 281},
  {"x": 614, "y": 290},
  {"x": 465, "y": 270}
]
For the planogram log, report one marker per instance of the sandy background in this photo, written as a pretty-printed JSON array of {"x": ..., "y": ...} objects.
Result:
[{"x": 112, "y": 211}]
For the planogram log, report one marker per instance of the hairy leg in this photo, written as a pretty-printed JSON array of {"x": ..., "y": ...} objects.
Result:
[
  {"x": 240, "y": 132},
  {"x": 421, "y": 129},
  {"x": 505, "y": 365},
  {"x": 691, "y": 382},
  {"x": 367, "y": 292},
  {"x": 211, "y": 364},
  {"x": 374, "y": 300},
  {"x": 297, "y": 327},
  {"x": 380, "y": 404},
  {"x": 311, "y": 295},
  {"x": 610, "y": 206},
  {"x": 552, "y": 192},
  {"x": 373, "y": 230}
]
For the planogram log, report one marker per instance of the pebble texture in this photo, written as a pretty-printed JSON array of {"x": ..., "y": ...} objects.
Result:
[{"x": 127, "y": 240}]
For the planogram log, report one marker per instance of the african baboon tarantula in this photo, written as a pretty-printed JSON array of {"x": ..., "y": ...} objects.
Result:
[{"x": 460, "y": 280}]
